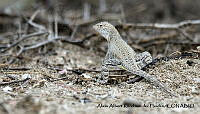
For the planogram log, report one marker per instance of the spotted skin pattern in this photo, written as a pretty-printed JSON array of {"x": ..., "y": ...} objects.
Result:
[{"x": 120, "y": 54}]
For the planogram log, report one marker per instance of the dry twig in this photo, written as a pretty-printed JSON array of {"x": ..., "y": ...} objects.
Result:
[
  {"x": 179, "y": 27},
  {"x": 176, "y": 26},
  {"x": 13, "y": 82},
  {"x": 22, "y": 39}
]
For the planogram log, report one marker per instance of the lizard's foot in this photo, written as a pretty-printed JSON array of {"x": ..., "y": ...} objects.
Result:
[
  {"x": 143, "y": 59},
  {"x": 102, "y": 78},
  {"x": 147, "y": 58}
]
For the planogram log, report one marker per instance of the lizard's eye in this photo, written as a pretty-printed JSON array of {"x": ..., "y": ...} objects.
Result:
[{"x": 100, "y": 25}]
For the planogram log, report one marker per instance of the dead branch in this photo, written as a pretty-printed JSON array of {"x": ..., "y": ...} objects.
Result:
[
  {"x": 19, "y": 68},
  {"x": 14, "y": 82},
  {"x": 161, "y": 42},
  {"x": 176, "y": 26},
  {"x": 57, "y": 79},
  {"x": 179, "y": 27},
  {"x": 63, "y": 39},
  {"x": 81, "y": 42},
  {"x": 22, "y": 39},
  {"x": 41, "y": 44},
  {"x": 30, "y": 21},
  {"x": 159, "y": 37}
]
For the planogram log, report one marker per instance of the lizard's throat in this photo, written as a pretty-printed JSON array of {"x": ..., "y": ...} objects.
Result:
[{"x": 113, "y": 37}]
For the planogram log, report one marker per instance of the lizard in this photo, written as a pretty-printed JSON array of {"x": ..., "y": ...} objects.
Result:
[{"x": 120, "y": 54}]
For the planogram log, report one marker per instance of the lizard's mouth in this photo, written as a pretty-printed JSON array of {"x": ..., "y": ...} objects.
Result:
[{"x": 94, "y": 27}]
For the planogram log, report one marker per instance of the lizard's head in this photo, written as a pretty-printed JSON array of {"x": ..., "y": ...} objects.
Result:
[{"x": 105, "y": 29}]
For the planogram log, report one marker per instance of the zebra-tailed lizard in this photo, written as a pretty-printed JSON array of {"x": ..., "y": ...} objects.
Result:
[{"x": 121, "y": 54}]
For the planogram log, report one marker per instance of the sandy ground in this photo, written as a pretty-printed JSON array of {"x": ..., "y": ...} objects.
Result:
[{"x": 78, "y": 93}]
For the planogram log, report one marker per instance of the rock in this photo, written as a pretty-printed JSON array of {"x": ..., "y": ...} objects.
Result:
[{"x": 25, "y": 76}]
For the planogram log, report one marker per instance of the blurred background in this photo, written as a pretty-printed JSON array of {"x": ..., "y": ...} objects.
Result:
[
  {"x": 129, "y": 10},
  {"x": 82, "y": 11}
]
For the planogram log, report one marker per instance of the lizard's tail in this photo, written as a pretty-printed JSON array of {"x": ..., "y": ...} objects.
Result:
[{"x": 153, "y": 80}]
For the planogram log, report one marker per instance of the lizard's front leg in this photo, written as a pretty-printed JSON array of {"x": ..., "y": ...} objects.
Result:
[
  {"x": 143, "y": 59},
  {"x": 106, "y": 65}
]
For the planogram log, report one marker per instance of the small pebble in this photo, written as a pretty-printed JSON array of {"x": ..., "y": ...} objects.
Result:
[
  {"x": 197, "y": 80},
  {"x": 64, "y": 71},
  {"x": 194, "y": 90},
  {"x": 85, "y": 100},
  {"x": 87, "y": 76},
  {"x": 7, "y": 89},
  {"x": 25, "y": 76}
]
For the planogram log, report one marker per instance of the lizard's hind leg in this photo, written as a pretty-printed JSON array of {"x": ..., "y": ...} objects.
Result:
[{"x": 143, "y": 59}]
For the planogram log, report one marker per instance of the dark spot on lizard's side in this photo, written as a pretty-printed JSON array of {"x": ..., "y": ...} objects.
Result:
[{"x": 126, "y": 59}]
